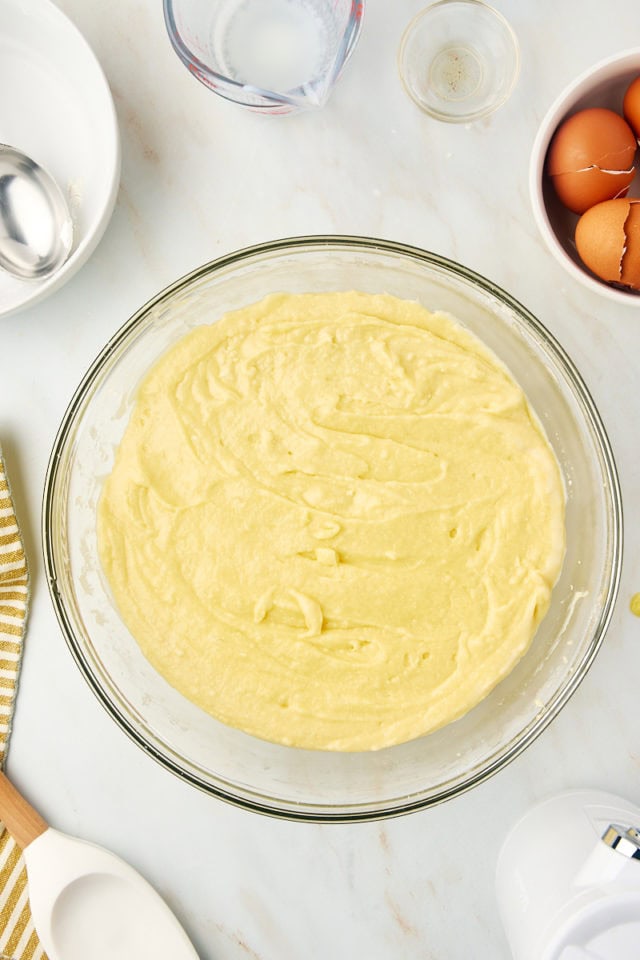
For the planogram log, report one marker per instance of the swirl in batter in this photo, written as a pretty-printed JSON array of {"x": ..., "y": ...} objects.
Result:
[{"x": 333, "y": 521}]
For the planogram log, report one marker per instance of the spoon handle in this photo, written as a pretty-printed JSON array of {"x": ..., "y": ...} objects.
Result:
[{"x": 23, "y": 822}]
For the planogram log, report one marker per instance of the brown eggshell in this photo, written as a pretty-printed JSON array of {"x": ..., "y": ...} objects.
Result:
[
  {"x": 601, "y": 239},
  {"x": 631, "y": 258},
  {"x": 579, "y": 191},
  {"x": 593, "y": 137},
  {"x": 631, "y": 106},
  {"x": 591, "y": 158}
]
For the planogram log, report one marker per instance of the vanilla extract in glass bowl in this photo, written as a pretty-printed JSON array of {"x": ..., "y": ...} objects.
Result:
[{"x": 459, "y": 60}]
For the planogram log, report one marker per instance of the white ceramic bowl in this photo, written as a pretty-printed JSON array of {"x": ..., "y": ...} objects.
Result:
[
  {"x": 57, "y": 109},
  {"x": 603, "y": 85}
]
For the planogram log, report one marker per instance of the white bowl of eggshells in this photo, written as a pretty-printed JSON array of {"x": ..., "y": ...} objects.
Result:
[{"x": 608, "y": 237}]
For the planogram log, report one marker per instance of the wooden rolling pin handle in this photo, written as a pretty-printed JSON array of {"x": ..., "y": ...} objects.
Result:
[{"x": 23, "y": 822}]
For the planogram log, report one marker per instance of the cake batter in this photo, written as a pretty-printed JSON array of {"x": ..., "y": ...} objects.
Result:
[{"x": 333, "y": 521}]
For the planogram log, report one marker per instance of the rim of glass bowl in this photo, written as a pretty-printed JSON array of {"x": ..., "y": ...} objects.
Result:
[
  {"x": 244, "y": 797},
  {"x": 223, "y": 85}
]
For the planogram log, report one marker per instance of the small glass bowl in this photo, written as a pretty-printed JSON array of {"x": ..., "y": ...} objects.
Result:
[
  {"x": 307, "y": 784},
  {"x": 459, "y": 60}
]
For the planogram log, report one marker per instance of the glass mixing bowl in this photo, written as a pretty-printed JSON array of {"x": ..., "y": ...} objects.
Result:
[{"x": 315, "y": 785}]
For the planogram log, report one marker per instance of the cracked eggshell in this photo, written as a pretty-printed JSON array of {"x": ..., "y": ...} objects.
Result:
[
  {"x": 608, "y": 241},
  {"x": 590, "y": 158},
  {"x": 631, "y": 258},
  {"x": 631, "y": 106}
]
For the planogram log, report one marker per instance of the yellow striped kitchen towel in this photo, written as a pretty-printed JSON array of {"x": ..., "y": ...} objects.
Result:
[{"x": 18, "y": 939}]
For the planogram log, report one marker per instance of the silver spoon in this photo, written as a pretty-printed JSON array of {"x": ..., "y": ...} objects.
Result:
[{"x": 36, "y": 230}]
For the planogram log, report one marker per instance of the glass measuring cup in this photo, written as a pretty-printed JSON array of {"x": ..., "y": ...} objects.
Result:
[{"x": 274, "y": 56}]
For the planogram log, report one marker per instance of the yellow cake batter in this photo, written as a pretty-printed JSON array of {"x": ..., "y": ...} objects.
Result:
[{"x": 333, "y": 521}]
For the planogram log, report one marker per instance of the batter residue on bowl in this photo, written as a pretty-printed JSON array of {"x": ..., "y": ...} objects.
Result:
[{"x": 333, "y": 520}]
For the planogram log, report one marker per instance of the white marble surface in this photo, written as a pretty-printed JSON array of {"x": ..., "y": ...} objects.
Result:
[{"x": 201, "y": 177}]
